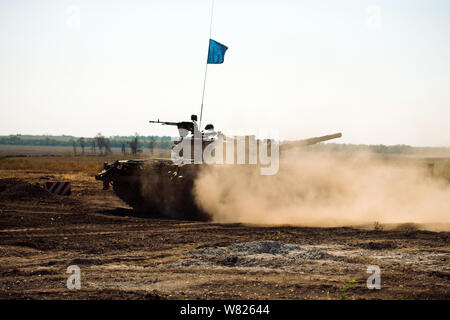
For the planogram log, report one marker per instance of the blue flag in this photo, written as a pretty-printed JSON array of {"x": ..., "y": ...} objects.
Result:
[{"x": 216, "y": 52}]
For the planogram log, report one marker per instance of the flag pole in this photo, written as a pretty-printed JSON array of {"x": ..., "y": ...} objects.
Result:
[{"x": 206, "y": 67}]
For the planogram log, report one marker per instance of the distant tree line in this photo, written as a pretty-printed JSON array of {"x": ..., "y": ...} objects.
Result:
[{"x": 135, "y": 142}]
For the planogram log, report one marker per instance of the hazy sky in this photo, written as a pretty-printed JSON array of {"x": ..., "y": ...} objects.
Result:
[{"x": 378, "y": 71}]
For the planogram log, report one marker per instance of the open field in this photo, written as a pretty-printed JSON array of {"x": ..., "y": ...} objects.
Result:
[
  {"x": 13, "y": 150},
  {"x": 59, "y": 159},
  {"x": 122, "y": 255}
]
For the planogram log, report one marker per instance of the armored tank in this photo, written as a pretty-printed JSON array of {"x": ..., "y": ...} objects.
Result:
[{"x": 164, "y": 187}]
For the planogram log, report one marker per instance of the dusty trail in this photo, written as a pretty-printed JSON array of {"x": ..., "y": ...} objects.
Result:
[
  {"x": 125, "y": 256},
  {"x": 326, "y": 189}
]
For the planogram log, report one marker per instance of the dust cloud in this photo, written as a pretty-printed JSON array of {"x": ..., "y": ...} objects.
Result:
[{"x": 325, "y": 189}]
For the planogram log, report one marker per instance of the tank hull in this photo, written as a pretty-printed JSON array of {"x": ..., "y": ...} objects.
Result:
[{"x": 156, "y": 188}]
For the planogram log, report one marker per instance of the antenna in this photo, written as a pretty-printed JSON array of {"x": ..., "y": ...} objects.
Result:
[{"x": 206, "y": 68}]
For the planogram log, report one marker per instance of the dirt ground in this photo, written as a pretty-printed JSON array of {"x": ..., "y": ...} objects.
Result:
[{"x": 125, "y": 256}]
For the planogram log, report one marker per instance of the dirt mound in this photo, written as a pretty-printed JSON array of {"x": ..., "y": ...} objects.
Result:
[
  {"x": 268, "y": 255},
  {"x": 260, "y": 247},
  {"x": 16, "y": 189},
  {"x": 12, "y": 189},
  {"x": 265, "y": 248}
]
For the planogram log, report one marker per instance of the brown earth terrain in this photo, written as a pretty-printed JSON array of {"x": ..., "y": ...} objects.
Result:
[{"x": 124, "y": 256}]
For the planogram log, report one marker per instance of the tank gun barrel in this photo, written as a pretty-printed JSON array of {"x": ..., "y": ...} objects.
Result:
[{"x": 308, "y": 142}]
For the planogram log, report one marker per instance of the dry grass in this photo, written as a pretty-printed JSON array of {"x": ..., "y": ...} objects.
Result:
[
  {"x": 61, "y": 159},
  {"x": 87, "y": 164},
  {"x": 92, "y": 164},
  {"x": 68, "y": 151}
]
